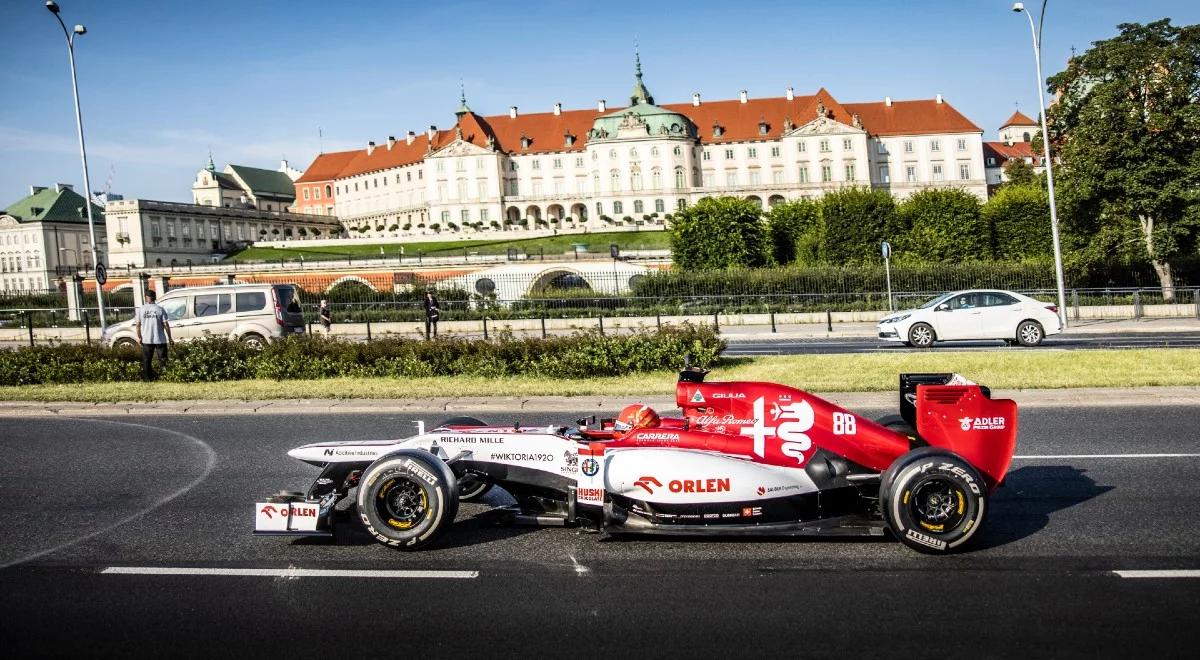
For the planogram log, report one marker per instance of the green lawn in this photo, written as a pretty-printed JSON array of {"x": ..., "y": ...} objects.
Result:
[
  {"x": 1006, "y": 370},
  {"x": 595, "y": 242}
]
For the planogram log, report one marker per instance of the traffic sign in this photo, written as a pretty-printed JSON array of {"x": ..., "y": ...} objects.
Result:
[
  {"x": 101, "y": 274},
  {"x": 886, "y": 248}
]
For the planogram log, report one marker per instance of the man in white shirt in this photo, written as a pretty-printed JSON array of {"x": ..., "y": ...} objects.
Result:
[{"x": 153, "y": 333}]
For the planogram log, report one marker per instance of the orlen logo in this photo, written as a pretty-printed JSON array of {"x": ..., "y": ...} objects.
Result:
[
  {"x": 304, "y": 512},
  {"x": 719, "y": 485}
]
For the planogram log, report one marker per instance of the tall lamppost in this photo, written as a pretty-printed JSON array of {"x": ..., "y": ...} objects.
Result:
[
  {"x": 1036, "y": 31},
  {"x": 87, "y": 184}
]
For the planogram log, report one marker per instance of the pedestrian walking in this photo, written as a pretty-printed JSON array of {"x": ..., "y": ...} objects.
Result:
[
  {"x": 153, "y": 332},
  {"x": 432, "y": 313},
  {"x": 325, "y": 316}
]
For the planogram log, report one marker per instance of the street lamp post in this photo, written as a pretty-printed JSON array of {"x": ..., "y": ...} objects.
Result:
[
  {"x": 1036, "y": 31},
  {"x": 87, "y": 184}
]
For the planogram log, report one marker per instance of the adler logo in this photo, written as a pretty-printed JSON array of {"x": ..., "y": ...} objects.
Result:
[{"x": 981, "y": 423}]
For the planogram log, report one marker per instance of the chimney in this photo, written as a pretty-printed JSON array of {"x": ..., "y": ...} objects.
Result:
[
  {"x": 512, "y": 112},
  {"x": 696, "y": 99},
  {"x": 33, "y": 190},
  {"x": 432, "y": 133},
  {"x": 59, "y": 187},
  {"x": 887, "y": 100},
  {"x": 557, "y": 109},
  {"x": 939, "y": 99},
  {"x": 370, "y": 148},
  {"x": 408, "y": 139},
  {"x": 742, "y": 95},
  {"x": 391, "y": 142},
  {"x": 601, "y": 106},
  {"x": 791, "y": 94},
  {"x": 283, "y": 165}
]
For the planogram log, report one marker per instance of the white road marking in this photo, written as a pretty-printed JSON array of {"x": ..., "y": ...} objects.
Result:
[
  {"x": 580, "y": 569},
  {"x": 1162, "y": 574},
  {"x": 1058, "y": 456},
  {"x": 287, "y": 572}
]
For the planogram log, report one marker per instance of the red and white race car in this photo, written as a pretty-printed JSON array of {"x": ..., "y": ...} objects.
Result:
[{"x": 743, "y": 458}]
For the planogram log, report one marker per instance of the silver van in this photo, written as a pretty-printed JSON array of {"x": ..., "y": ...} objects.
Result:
[{"x": 250, "y": 313}]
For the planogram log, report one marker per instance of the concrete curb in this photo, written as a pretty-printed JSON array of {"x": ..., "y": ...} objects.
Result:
[{"x": 1065, "y": 398}]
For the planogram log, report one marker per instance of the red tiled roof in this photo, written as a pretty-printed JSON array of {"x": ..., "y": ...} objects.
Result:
[
  {"x": 1018, "y": 119},
  {"x": 912, "y": 118},
  {"x": 1003, "y": 151},
  {"x": 327, "y": 167},
  {"x": 740, "y": 120},
  {"x": 545, "y": 130}
]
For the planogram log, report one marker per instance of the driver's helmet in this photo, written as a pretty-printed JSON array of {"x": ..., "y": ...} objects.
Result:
[{"x": 635, "y": 416}]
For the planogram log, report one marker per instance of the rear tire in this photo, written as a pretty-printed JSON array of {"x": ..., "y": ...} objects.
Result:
[
  {"x": 125, "y": 343},
  {"x": 407, "y": 498},
  {"x": 932, "y": 500},
  {"x": 253, "y": 341},
  {"x": 921, "y": 335},
  {"x": 1030, "y": 333}
]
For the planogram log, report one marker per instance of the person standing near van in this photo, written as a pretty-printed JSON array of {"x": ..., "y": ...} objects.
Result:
[
  {"x": 325, "y": 316},
  {"x": 153, "y": 333},
  {"x": 432, "y": 314}
]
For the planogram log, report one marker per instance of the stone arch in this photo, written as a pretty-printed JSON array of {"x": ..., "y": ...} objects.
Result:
[
  {"x": 349, "y": 278},
  {"x": 558, "y": 278},
  {"x": 775, "y": 199},
  {"x": 579, "y": 211},
  {"x": 555, "y": 212},
  {"x": 513, "y": 213},
  {"x": 533, "y": 212},
  {"x": 756, "y": 199}
]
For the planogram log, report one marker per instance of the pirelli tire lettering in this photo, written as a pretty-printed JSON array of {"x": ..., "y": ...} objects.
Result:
[
  {"x": 407, "y": 498},
  {"x": 934, "y": 501}
]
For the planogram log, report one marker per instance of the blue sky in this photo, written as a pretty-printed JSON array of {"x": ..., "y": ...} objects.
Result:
[{"x": 162, "y": 82}]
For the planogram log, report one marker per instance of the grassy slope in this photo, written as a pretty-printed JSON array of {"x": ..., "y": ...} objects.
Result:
[
  {"x": 596, "y": 242},
  {"x": 818, "y": 373}
]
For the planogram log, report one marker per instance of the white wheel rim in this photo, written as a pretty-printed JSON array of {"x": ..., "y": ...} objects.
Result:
[
  {"x": 921, "y": 336},
  {"x": 1030, "y": 334}
]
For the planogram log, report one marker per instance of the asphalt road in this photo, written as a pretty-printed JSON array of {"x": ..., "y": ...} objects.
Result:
[
  {"x": 170, "y": 493},
  {"x": 1068, "y": 342}
]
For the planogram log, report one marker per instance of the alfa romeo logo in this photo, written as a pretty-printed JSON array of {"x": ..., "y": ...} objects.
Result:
[{"x": 590, "y": 467}]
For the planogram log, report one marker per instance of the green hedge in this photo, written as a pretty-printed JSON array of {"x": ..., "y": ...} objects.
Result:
[{"x": 581, "y": 355}]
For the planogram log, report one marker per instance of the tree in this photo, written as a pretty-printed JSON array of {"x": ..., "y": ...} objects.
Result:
[
  {"x": 1019, "y": 173},
  {"x": 856, "y": 221},
  {"x": 795, "y": 232},
  {"x": 1019, "y": 219},
  {"x": 944, "y": 224},
  {"x": 1127, "y": 129},
  {"x": 722, "y": 232}
]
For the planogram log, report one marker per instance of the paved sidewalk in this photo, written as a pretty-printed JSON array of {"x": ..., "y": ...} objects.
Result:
[{"x": 1064, "y": 398}]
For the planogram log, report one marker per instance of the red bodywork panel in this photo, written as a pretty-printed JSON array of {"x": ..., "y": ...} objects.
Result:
[{"x": 960, "y": 418}]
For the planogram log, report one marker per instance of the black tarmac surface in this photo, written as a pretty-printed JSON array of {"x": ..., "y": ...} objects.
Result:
[
  {"x": 750, "y": 347},
  {"x": 83, "y": 495}
]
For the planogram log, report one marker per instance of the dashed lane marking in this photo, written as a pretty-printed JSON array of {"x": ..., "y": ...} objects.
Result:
[
  {"x": 1159, "y": 574},
  {"x": 287, "y": 572}
]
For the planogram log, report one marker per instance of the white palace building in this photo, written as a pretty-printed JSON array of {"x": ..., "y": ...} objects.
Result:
[{"x": 624, "y": 165}]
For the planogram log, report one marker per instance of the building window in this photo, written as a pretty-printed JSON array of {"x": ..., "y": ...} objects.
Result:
[
  {"x": 824, "y": 145},
  {"x": 731, "y": 179},
  {"x": 803, "y": 174},
  {"x": 881, "y": 148},
  {"x": 614, "y": 180},
  {"x": 801, "y": 146},
  {"x": 579, "y": 161},
  {"x": 306, "y": 193},
  {"x": 659, "y": 206},
  {"x": 908, "y": 146},
  {"x": 560, "y": 186},
  {"x": 964, "y": 171},
  {"x": 618, "y": 208},
  {"x": 937, "y": 173},
  {"x": 483, "y": 215},
  {"x": 850, "y": 172},
  {"x": 729, "y": 154},
  {"x": 612, "y": 154},
  {"x": 445, "y": 217},
  {"x": 910, "y": 173},
  {"x": 991, "y": 162},
  {"x": 316, "y": 192},
  {"x": 826, "y": 173},
  {"x": 537, "y": 164},
  {"x": 681, "y": 203},
  {"x": 512, "y": 166},
  {"x": 656, "y": 178},
  {"x": 706, "y": 155},
  {"x": 752, "y": 152},
  {"x": 635, "y": 179},
  {"x": 599, "y": 208},
  {"x": 935, "y": 145},
  {"x": 481, "y": 188},
  {"x": 654, "y": 151},
  {"x": 537, "y": 187},
  {"x": 884, "y": 175},
  {"x": 755, "y": 178},
  {"x": 679, "y": 183},
  {"x": 710, "y": 179},
  {"x": 777, "y": 177},
  {"x": 638, "y": 207},
  {"x": 633, "y": 153},
  {"x": 678, "y": 151},
  {"x": 962, "y": 144},
  {"x": 774, "y": 152},
  {"x": 461, "y": 185},
  {"x": 465, "y": 216},
  {"x": 847, "y": 145},
  {"x": 441, "y": 166}
]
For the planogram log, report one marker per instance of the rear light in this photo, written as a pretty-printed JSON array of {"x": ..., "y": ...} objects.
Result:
[
  {"x": 278, "y": 308},
  {"x": 1053, "y": 308}
]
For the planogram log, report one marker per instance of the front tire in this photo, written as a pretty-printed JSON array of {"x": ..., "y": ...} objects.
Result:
[
  {"x": 407, "y": 498},
  {"x": 1030, "y": 333},
  {"x": 921, "y": 335},
  {"x": 932, "y": 500}
]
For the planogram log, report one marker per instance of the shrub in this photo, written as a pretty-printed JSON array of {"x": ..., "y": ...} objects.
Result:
[
  {"x": 721, "y": 232},
  {"x": 1019, "y": 217},
  {"x": 856, "y": 221},
  {"x": 795, "y": 232},
  {"x": 942, "y": 224}
]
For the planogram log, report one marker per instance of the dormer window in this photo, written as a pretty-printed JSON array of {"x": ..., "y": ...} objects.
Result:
[
  {"x": 525, "y": 142},
  {"x": 718, "y": 130},
  {"x": 568, "y": 139},
  {"x": 763, "y": 127}
]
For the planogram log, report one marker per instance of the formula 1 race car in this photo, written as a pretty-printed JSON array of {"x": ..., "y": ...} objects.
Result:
[{"x": 744, "y": 458}]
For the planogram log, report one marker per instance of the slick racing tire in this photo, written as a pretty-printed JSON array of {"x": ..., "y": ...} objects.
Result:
[
  {"x": 406, "y": 498},
  {"x": 921, "y": 335},
  {"x": 932, "y": 500}
]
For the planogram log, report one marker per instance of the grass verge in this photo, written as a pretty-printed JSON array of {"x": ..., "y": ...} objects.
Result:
[
  {"x": 1045, "y": 369},
  {"x": 595, "y": 241}
]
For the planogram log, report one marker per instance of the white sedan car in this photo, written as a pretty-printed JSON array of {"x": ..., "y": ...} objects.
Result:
[{"x": 974, "y": 314}]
